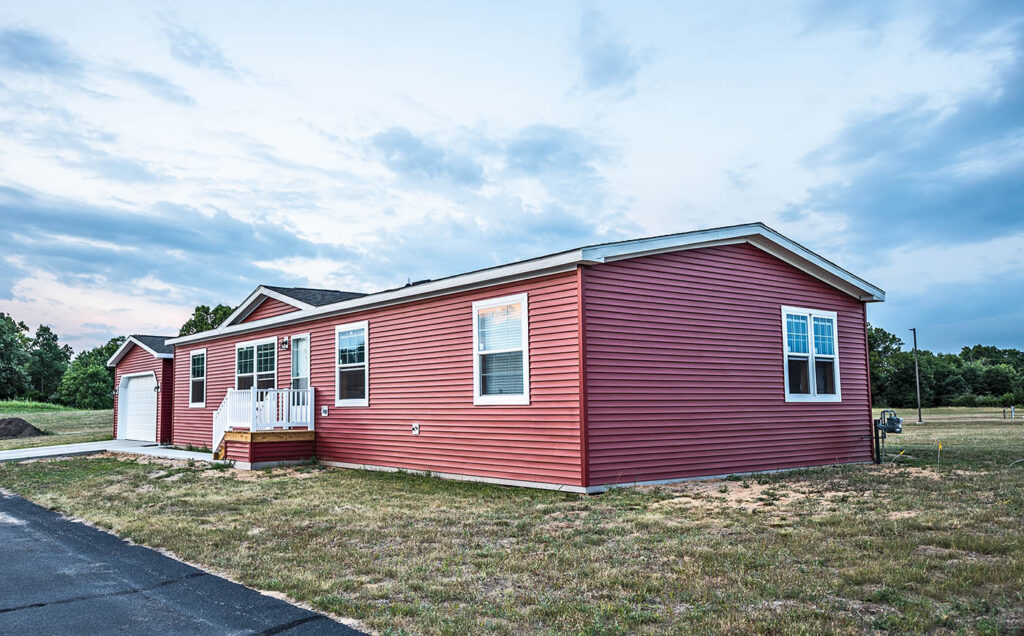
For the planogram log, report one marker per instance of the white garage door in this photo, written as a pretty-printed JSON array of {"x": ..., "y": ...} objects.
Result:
[{"x": 140, "y": 408}]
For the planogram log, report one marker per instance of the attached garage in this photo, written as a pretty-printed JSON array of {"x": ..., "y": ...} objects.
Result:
[
  {"x": 137, "y": 397},
  {"x": 143, "y": 388}
]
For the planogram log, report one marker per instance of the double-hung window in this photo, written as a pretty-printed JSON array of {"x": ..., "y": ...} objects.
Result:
[
  {"x": 501, "y": 357},
  {"x": 811, "y": 355},
  {"x": 351, "y": 365},
  {"x": 197, "y": 379},
  {"x": 256, "y": 365}
]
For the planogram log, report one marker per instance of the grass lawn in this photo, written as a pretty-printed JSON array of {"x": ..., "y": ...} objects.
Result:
[
  {"x": 913, "y": 547},
  {"x": 62, "y": 424}
]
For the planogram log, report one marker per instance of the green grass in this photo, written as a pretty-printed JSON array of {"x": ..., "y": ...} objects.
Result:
[
  {"x": 21, "y": 406},
  {"x": 913, "y": 547},
  {"x": 61, "y": 425}
]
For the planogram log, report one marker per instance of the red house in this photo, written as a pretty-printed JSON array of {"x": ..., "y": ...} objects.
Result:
[{"x": 703, "y": 353}]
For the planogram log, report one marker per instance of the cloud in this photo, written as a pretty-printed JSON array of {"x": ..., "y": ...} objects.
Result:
[
  {"x": 409, "y": 156},
  {"x": 924, "y": 173},
  {"x": 196, "y": 50},
  {"x": 27, "y": 51},
  {"x": 956, "y": 26},
  {"x": 607, "y": 62},
  {"x": 542, "y": 149},
  {"x": 218, "y": 249},
  {"x": 159, "y": 87}
]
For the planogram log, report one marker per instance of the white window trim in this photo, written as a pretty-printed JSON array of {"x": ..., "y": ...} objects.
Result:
[
  {"x": 206, "y": 373},
  {"x": 349, "y": 326},
  {"x": 811, "y": 315},
  {"x": 291, "y": 358},
  {"x": 254, "y": 344},
  {"x": 496, "y": 400}
]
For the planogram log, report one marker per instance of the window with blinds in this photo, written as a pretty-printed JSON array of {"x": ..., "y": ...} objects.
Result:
[
  {"x": 352, "y": 365},
  {"x": 811, "y": 355},
  {"x": 501, "y": 356},
  {"x": 197, "y": 378},
  {"x": 256, "y": 365}
]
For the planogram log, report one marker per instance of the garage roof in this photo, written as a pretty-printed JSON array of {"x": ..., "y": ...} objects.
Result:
[{"x": 156, "y": 345}]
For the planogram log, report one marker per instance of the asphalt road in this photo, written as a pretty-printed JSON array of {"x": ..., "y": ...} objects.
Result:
[{"x": 62, "y": 577}]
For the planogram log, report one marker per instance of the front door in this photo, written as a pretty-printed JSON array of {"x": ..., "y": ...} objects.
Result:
[{"x": 300, "y": 375}]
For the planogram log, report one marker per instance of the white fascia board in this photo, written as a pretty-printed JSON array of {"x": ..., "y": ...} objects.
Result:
[
  {"x": 122, "y": 351},
  {"x": 756, "y": 234},
  {"x": 484, "y": 278},
  {"x": 833, "y": 274},
  {"x": 253, "y": 301}
]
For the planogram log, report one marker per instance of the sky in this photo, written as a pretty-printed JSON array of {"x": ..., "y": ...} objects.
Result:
[{"x": 155, "y": 157}]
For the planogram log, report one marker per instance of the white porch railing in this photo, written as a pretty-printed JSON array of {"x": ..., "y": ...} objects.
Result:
[{"x": 263, "y": 410}]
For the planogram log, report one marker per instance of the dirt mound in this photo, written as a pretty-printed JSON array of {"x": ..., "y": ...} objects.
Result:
[{"x": 17, "y": 427}]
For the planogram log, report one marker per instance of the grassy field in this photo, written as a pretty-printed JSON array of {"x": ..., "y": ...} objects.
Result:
[
  {"x": 61, "y": 424},
  {"x": 911, "y": 547}
]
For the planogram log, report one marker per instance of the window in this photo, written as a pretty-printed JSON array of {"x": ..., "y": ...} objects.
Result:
[
  {"x": 811, "y": 355},
  {"x": 501, "y": 359},
  {"x": 300, "y": 362},
  {"x": 197, "y": 379},
  {"x": 256, "y": 364},
  {"x": 352, "y": 367}
]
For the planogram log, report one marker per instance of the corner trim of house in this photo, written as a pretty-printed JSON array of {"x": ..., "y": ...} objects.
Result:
[{"x": 460, "y": 477}]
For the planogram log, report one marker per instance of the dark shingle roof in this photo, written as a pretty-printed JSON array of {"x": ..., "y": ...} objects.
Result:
[
  {"x": 156, "y": 343},
  {"x": 315, "y": 297}
]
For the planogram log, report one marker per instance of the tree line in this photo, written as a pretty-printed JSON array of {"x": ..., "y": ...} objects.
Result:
[
  {"x": 977, "y": 376},
  {"x": 37, "y": 367}
]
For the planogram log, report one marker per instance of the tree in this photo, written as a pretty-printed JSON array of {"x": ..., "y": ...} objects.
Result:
[
  {"x": 1000, "y": 379},
  {"x": 884, "y": 349},
  {"x": 87, "y": 385},
  {"x": 13, "y": 357},
  {"x": 102, "y": 353},
  {"x": 204, "y": 319},
  {"x": 47, "y": 361}
]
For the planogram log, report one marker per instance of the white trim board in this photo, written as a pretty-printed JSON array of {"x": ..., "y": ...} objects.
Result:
[
  {"x": 255, "y": 299},
  {"x": 756, "y": 234},
  {"x": 122, "y": 351}
]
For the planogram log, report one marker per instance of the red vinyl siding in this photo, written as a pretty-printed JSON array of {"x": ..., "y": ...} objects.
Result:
[
  {"x": 683, "y": 368},
  {"x": 269, "y": 308},
  {"x": 421, "y": 370},
  {"x": 138, "y": 360},
  {"x": 239, "y": 451}
]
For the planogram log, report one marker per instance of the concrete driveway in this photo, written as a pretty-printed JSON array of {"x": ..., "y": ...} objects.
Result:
[{"x": 61, "y": 577}]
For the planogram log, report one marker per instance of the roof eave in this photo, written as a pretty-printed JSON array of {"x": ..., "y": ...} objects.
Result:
[
  {"x": 253, "y": 301},
  {"x": 757, "y": 234},
  {"x": 122, "y": 351}
]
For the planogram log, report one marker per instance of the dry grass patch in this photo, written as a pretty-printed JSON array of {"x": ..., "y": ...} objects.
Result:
[
  {"x": 848, "y": 549},
  {"x": 62, "y": 426}
]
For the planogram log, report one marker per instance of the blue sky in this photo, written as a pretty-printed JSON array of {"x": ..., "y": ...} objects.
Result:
[{"x": 153, "y": 158}]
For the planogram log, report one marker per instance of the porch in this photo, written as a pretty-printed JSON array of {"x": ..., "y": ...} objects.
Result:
[{"x": 263, "y": 427}]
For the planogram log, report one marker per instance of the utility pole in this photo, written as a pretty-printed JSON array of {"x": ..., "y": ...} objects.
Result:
[{"x": 917, "y": 377}]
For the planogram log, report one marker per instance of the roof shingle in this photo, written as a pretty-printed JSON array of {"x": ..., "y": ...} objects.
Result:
[{"x": 315, "y": 297}]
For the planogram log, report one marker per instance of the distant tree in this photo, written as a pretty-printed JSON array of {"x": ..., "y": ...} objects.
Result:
[
  {"x": 1000, "y": 379},
  {"x": 87, "y": 386},
  {"x": 47, "y": 362},
  {"x": 884, "y": 349},
  {"x": 101, "y": 354},
  {"x": 204, "y": 319},
  {"x": 88, "y": 383},
  {"x": 13, "y": 357}
]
